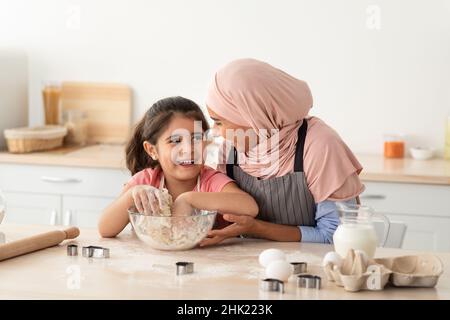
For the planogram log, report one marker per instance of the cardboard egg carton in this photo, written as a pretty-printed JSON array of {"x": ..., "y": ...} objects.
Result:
[
  {"x": 356, "y": 272},
  {"x": 414, "y": 271}
]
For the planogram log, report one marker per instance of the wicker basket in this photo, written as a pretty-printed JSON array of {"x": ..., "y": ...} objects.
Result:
[{"x": 23, "y": 140}]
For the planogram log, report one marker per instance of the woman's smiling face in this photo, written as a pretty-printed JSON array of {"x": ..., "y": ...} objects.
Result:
[
  {"x": 243, "y": 138},
  {"x": 179, "y": 149}
]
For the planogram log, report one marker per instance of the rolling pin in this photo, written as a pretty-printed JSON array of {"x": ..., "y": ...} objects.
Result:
[{"x": 36, "y": 242}]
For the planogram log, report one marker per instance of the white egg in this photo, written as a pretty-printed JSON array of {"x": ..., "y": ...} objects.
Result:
[
  {"x": 332, "y": 257},
  {"x": 269, "y": 255},
  {"x": 279, "y": 269}
]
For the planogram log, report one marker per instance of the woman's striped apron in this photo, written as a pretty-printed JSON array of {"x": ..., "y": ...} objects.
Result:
[{"x": 282, "y": 200}]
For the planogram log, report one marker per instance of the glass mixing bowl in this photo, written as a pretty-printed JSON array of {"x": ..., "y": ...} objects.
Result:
[{"x": 173, "y": 232}]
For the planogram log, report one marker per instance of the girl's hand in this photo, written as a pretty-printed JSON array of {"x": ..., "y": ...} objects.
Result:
[
  {"x": 182, "y": 205},
  {"x": 241, "y": 225},
  {"x": 147, "y": 199}
]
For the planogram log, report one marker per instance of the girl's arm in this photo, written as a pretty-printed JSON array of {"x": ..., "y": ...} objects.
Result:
[
  {"x": 230, "y": 200},
  {"x": 115, "y": 217}
]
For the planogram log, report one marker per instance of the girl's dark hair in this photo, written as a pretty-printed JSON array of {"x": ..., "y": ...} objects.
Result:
[{"x": 151, "y": 126}]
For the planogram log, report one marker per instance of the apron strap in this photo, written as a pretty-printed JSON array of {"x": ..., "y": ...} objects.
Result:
[
  {"x": 298, "y": 162},
  {"x": 229, "y": 166}
]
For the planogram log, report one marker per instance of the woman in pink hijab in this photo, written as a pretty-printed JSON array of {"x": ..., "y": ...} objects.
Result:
[{"x": 294, "y": 165}]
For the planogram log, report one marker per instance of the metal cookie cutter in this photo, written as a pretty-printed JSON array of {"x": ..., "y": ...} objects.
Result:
[
  {"x": 184, "y": 268},
  {"x": 308, "y": 281},
  {"x": 95, "y": 252},
  {"x": 72, "y": 250},
  {"x": 299, "y": 267},
  {"x": 272, "y": 285}
]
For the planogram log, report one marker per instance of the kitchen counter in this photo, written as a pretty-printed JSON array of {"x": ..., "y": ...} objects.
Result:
[
  {"x": 93, "y": 156},
  {"x": 376, "y": 168},
  {"x": 406, "y": 170},
  {"x": 135, "y": 271}
]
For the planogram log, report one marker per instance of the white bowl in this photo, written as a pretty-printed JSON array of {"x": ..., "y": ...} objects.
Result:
[
  {"x": 172, "y": 232},
  {"x": 421, "y": 153}
]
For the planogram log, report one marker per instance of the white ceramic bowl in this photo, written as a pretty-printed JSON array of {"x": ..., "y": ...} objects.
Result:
[
  {"x": 173, "y": 232},
  {"x": 421, "y": 153}
]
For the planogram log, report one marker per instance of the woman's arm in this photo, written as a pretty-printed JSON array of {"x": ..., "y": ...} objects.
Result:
[
  {"x": 326, "y": 216},
  {"x": 327, "y": 220},
  {"x": 115, "y": 217},
  {"x": 275, "y": 232},
  {"x": 253, "y": 227},
  {"x": 230, "y": 200}
]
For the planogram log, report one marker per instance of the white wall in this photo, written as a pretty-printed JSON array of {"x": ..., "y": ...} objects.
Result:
[
  {"x": 365, "y": 81},
  {"x": 13, "y": 91}
]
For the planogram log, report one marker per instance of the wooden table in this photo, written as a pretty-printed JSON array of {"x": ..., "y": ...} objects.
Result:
[{"x": 135, "y": 271}]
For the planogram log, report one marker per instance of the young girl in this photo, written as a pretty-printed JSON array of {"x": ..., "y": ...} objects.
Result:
[{"x": 166, "y": 151}]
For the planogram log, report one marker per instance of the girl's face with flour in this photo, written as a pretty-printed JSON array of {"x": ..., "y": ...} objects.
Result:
[
  {"x": 169, "y": 136},
  {"x": 179, "y": 148}
]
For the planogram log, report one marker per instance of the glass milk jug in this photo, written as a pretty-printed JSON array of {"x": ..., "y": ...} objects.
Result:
[{"x": 357, "y": 229}]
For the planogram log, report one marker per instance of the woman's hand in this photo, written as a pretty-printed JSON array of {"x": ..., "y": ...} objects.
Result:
[
  {"x": 147, "y": 199},
  {"x": 241, "y": 225}
]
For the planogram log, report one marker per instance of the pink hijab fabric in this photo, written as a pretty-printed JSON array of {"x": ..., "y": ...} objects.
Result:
[{"x": 252, "y": 93}]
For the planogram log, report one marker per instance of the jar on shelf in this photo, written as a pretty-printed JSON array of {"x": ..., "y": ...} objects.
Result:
[
  {"x": 394, "y": 146},
  {"x": 51, "y": 95},
  {"x": 77, "y": 127}
]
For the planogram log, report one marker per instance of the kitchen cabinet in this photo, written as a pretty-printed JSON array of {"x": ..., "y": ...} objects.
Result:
[
  {"x": 58, "y": 195},
  {"x": 424, "y": 208},
  {"x": 29, "y": 208},
  {"x": 82, "y": 211},
  {"x": 425, "y": 233}
]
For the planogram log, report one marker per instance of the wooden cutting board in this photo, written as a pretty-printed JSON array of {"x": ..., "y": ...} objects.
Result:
[{"x": 108, "y": 109}]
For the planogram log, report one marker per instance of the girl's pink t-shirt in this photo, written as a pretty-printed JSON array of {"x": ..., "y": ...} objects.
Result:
[{"x": 210, "y": 180}]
